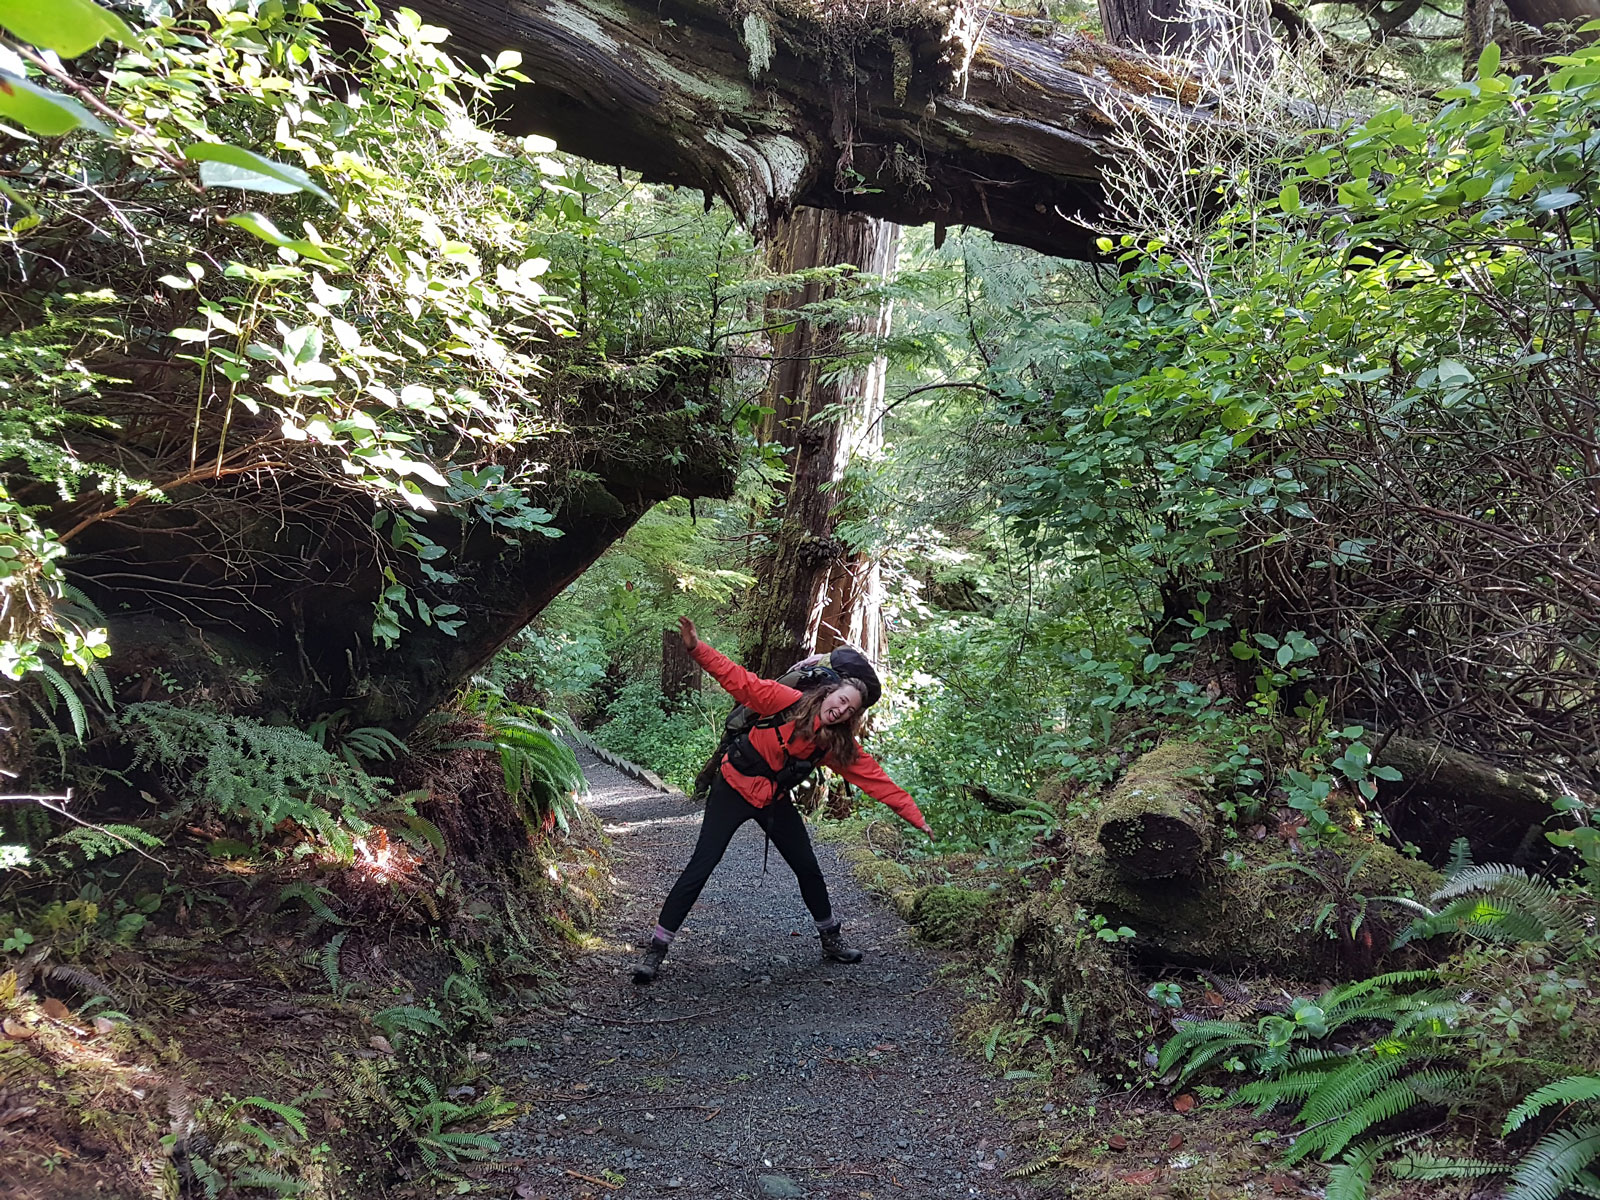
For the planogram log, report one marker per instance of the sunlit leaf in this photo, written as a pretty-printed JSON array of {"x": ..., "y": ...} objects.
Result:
[
  {"x": 69, "y": 27},
  {"x": 229, "y": 166},
  {"x": 45, "y": 112},
  {"x": 264, "y": 229}
]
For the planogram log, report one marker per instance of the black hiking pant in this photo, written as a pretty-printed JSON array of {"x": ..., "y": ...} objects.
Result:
[{"x": 726, "y": 810}]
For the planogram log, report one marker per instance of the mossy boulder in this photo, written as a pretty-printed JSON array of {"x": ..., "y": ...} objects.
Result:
[{"x": 948, "y": 914}]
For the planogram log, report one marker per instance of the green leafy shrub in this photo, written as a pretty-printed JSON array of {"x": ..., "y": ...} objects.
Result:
[
  {"x": 673, "y": 740},
  {"x": 250, "y": 774}
]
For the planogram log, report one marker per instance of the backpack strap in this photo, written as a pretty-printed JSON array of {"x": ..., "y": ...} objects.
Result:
[{"x": 747, "y": 760}]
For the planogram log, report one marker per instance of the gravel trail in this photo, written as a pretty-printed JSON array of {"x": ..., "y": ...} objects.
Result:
[{"x": 751, "y": 1068}]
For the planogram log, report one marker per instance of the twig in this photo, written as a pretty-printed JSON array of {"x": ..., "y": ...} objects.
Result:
[
  {"x": 659, "y": 1021},
  {"x": 591, "y": 1179},
  {"x": 48, "y": 804}
]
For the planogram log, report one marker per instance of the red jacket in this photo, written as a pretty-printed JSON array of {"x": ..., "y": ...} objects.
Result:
[{"x": 766, "y": 697}]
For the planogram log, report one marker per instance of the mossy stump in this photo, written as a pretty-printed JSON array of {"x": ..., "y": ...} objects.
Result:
[{"x": 1158, "y": 823}]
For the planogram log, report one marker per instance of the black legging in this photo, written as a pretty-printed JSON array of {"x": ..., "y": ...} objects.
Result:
[{"x": 726, "y": 810}]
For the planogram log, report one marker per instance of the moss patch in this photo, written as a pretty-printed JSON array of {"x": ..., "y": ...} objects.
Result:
[{"x": 950, "y": 914}]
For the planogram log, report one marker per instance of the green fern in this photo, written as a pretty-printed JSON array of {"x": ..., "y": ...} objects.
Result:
[
  {"x": 312, "y": 897},
  {"x": 103, "y": 841},
  {"x": 1499, "y": 903},
  {"x": 407, "y": 1018},
  {"x": 1434, "y": 1167},
  {"x": 540, "y": 770},
  {"x": 1574, "y": 1089},
  {"x": 271, "y": 1181},
  {"x": 1350, "y": 1178},
  {"x": 1557, "y": 1164},
  {"x": 248, "y": 772},
  {"x": 1460, "y": 859},
  {"x": 330, "y": 966},
  {"x": 291, "y": 1116}
]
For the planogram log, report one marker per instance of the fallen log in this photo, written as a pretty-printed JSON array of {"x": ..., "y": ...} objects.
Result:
[
  {"x": 1444, "y": 793},
  {"x": 941, "y": 112},
  {"x": 994, "y": 799},
  {"x": 1157, "y": 822}
]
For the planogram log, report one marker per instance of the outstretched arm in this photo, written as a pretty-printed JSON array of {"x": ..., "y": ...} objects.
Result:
[
  {"x": 764, "y": 696},
  {"x": 872, "y": 779}
]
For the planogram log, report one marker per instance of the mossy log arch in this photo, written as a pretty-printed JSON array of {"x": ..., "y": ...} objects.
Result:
[{"x": 922, "y": 112}]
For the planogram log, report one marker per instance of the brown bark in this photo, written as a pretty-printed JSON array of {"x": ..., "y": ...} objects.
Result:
[
  {"x": 949, "y": 114},
  {"x": 1159, "y": 26},
  {"x": 819, "y": 415},
  {"x": 680, "y": 674}
]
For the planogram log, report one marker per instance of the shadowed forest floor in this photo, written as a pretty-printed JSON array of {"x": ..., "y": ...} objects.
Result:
[{"x": 751, "y": 1068}]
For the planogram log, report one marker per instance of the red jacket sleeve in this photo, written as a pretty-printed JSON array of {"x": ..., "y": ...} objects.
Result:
[
  {"x": 867, "y": 775},
  {"x": 764, "y": 696}
]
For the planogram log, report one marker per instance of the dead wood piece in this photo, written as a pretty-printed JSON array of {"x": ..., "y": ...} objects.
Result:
[{"x": 1158, "y": 823}]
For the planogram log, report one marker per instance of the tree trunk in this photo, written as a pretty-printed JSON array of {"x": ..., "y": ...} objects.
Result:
[
  {"x": 820, "y": 415},
  {"x": 680, "y": 674},
  {"x": 1158, "y": 26},
  {"x": 1522, "y": 30},
  {"x": 941, "y": 113}
]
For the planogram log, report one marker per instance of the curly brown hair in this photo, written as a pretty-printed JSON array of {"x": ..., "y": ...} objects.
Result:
[{"x": 838, "y": 740}]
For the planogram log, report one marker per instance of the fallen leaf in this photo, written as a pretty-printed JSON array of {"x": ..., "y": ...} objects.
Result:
[
  {"x": 1142, "y": 1178},
  {"x": 1282, "y": 1184},
  {"x": 1184, "y": 1103},
  {"x": 1214, "y": 999},
  {"x": 56, "y": 1010},
  {"x": 525, "y": 1191},
  {"x": 1175, "y": 1142},
  {"x": 1259, "y": 833},
  {"x": 1117, "y": 1142},
  {"x": 17, "y": 1030},
  {"x": 104, "y": 1025},
  {"x": 380, "y": 1043}
]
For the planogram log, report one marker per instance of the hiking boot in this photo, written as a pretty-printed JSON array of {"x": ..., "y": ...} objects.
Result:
[
  {"x": 833, "y": 946},
  {"x": 650, "y": 965}
]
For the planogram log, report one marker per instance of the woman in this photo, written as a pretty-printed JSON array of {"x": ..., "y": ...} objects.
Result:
[{"x": 802, "y": 730}]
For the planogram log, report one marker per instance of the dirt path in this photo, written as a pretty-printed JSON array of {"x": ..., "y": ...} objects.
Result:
[{"x": 751, "y": 1068}]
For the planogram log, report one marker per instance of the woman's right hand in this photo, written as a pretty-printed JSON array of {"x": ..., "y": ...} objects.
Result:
[{"x": 686, "y": 629}]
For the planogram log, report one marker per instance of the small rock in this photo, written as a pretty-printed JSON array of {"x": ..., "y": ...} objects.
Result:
[
  {"x": 779, "y": 1187},
  {"x": 675, "y": 1182}
]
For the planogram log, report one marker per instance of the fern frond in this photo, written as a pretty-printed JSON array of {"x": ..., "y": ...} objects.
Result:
[
  {"x": 1328, "y": 1140},
  {"x": 1341, "y": 1089},
  {"x": 287, "y": 1113},
  {"x": 1574, "y": 1089},
  {"x": 1336, "y": 997},
  {"x": 1192, "y": 1034},
  {"x": 1429, "y": 1166},
  {"x": 330, "y": 963},
  {"x": 272, "y": 1181},
  {"x": 312, "y": 897},
  {"x": 1460, "y": 859},
  {"x": 1349, "y": 1179},
  {"x": 1555, "y": 1163},
  {"x": 407, "y": 1018}
]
